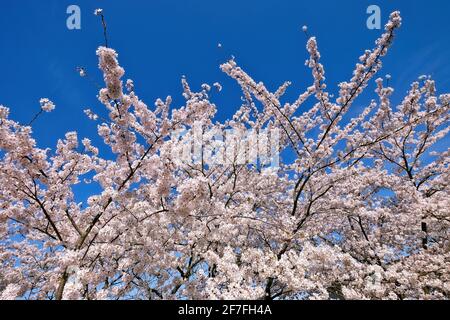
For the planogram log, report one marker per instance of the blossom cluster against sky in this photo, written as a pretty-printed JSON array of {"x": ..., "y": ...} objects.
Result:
[{"x": 160, "y": 41}]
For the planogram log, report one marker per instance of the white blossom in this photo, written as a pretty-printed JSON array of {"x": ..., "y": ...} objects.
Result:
[{"x": 46, "y": 105}]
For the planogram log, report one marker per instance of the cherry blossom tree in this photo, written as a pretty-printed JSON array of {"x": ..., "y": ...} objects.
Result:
[{"x": 361, "y": 213}]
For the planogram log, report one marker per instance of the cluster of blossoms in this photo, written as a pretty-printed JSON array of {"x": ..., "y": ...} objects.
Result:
[
  {"x": 360, "y": 213},
  {"x": 98, "y": 12},
  {"x": 82, "y": 72},
  {"x": 112, "y": 73},
  {"x": 46, "y": 105}
]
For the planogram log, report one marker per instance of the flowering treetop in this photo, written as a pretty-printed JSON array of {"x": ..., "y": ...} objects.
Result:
[{"x": 362, "y": 211}]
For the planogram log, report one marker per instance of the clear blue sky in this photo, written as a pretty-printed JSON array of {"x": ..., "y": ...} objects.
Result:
[{"x": 160, "y": 40}]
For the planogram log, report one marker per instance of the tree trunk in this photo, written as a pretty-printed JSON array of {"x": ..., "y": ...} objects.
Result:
[{"x": 61, "y": 285}]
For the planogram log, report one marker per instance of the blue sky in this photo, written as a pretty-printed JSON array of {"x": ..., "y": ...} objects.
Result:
[{"x": 158, "y": 41}]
